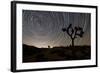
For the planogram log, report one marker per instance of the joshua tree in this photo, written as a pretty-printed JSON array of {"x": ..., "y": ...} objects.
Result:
[
  {"x": 48, "y": 46},
  {"x": 73, "y": 32}
]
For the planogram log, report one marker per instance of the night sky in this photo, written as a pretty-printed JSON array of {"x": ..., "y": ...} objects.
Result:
[{"x": 44, "y": 28}]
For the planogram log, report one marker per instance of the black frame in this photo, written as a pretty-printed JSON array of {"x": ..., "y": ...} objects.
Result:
[{"x": 13, "y": 34}]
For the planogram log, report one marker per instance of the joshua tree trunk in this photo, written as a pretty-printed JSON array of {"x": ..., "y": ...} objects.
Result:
[{"x": 72, "y": 41}]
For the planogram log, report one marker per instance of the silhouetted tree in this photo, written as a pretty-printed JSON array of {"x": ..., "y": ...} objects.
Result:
[
  {"x": 73, "y": 32},
  {"x": 48, "y": 46}
]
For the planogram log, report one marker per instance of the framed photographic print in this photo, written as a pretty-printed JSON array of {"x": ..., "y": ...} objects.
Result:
[{"x": 47, "y": 36}]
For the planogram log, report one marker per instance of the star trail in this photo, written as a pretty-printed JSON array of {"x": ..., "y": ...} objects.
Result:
[{"x": 44, "y": 28}]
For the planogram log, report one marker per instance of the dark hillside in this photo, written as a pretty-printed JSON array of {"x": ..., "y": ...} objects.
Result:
[{"x": 34, "y": 54}]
